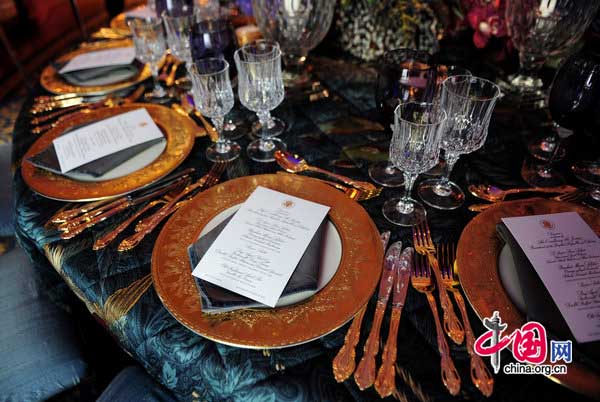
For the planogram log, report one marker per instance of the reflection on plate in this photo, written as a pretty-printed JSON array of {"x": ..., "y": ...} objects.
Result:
[
  {"x": 477, "y": 261},
  {"x": 358, "y": 256},
  {"x": 53, "y": 82},
  {"x": 330, "y": 257},
  {"x": 178, "y": 130}
]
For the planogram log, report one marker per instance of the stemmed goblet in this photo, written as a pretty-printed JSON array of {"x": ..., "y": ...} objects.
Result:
[
  {"x": 213, "y": 96},
  {"x": 298, "y": 26},
  {"x": 415, "y": 148},
  {"x": 405, "y": 75},
  {"x": 150, "y": 47},
  {"x": 260, "y": 88},
  {"x": 543, "y": 28},
  {"x": 469, "y": 102}
]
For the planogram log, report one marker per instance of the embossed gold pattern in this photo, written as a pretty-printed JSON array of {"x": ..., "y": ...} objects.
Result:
[
  {"x": 350, "y": 288},
  {"x": 477, "y": 263},
  {"x": 53, "y": 82},
  {"x": 119, "y": 24},
  {"x": 178, "y": 130}
]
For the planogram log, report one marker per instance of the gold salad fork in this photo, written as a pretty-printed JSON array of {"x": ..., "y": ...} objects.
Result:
[
  {"x": 424, "y": 245},
  {"x": 421, "y": 281},
  {"x": 480, "y": 375}
]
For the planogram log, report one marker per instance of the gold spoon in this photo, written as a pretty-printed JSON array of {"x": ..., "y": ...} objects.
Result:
[
  {"x": 495, "y": 194},
  {"x": 295, "y": 164}
]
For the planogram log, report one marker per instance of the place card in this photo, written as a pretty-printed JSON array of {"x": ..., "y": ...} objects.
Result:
[
  {"x": 104, "y": 137},
  {"x": 118, "y": 56},
  {"x": 565, "y": 253},
  {"x": 257, "y": 252}
]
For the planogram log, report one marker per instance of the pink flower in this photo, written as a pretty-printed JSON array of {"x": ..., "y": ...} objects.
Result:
[{"x": 486, "y": 17}]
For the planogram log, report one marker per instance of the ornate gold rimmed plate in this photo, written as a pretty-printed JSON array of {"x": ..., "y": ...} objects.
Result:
[
  {"x": 52, "y": 81},
  {"x": 477, "y": 262},
  {"x": 177, "y": 129},
  {"x": 119, "y": 24},
  {"x": 353, "y": 283}
]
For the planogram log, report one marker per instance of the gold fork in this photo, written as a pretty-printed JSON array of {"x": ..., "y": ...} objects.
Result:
[
  {"x": 421, "y": 281},
  {"x": 110, "y": 236},
  {"x": 573, "y": 196},
  {"x": 208, "y": 180},
  {"x": 480, "y": 375},
  {"x": 424, "y": 245}
]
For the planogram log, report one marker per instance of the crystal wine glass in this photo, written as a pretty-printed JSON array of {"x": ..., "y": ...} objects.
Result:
[
  {"x": 415, "y": 148},
  {"x": 179, "y": 34},
  {"x": 444, "y": 71},
  {"x": 298, "y": 26},
  {"x": 573, "y": 95},
  {"x": 213, "y": 96},
  {"x": 405, "y": 75},
  {"x": 150, "y": 47},
  {"x": 543, "y": 28},
  {"x": 260, "y": 88},
  {"x": 215, "y": 38},
  {"x": 469, "y": 102}
]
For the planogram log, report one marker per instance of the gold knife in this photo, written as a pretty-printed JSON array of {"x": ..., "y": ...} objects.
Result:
[
  {"x": 385, "y": 384},
  {"x": 365, "y": 371},
  {"x": 344, "y": 362}
]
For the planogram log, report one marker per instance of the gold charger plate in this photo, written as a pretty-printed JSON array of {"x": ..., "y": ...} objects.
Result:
[
  {"x": 119, "y": 24},
  {"x": 477, "y": 261},
  {"x": 53, "y": 82},
  {"x": 179, "y": 133},
  {"x": 349, "y": 289}
]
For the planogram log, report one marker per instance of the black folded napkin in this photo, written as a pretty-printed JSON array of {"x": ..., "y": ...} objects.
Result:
[
  {"x": 99, "y": 76},
  {"x": 302, "y": 284},
  {"x": 522, "y": 278},
  {"x": 48, "y": 160}
]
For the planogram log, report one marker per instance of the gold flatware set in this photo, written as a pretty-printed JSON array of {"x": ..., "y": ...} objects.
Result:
[
  {"x": 431, "y": 267},
  {"x": 171, "y": 192}
]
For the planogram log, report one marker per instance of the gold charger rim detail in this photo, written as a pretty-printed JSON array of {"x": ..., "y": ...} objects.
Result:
[
  {"x": 119, "y": 24},
  {"x": 337, "y": 303},
  {"x": 477, "y": 261},
  {"x": 179, "y": 132},
  {"x": 53, "y": 82}
]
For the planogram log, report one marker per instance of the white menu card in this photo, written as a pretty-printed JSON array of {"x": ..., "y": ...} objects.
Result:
[
  {"x": 565, "y": 252},
  {"x": 119, "y": 56},
  {"x": 259, "y": 249},
  {"x": 105, "y": 137}
]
